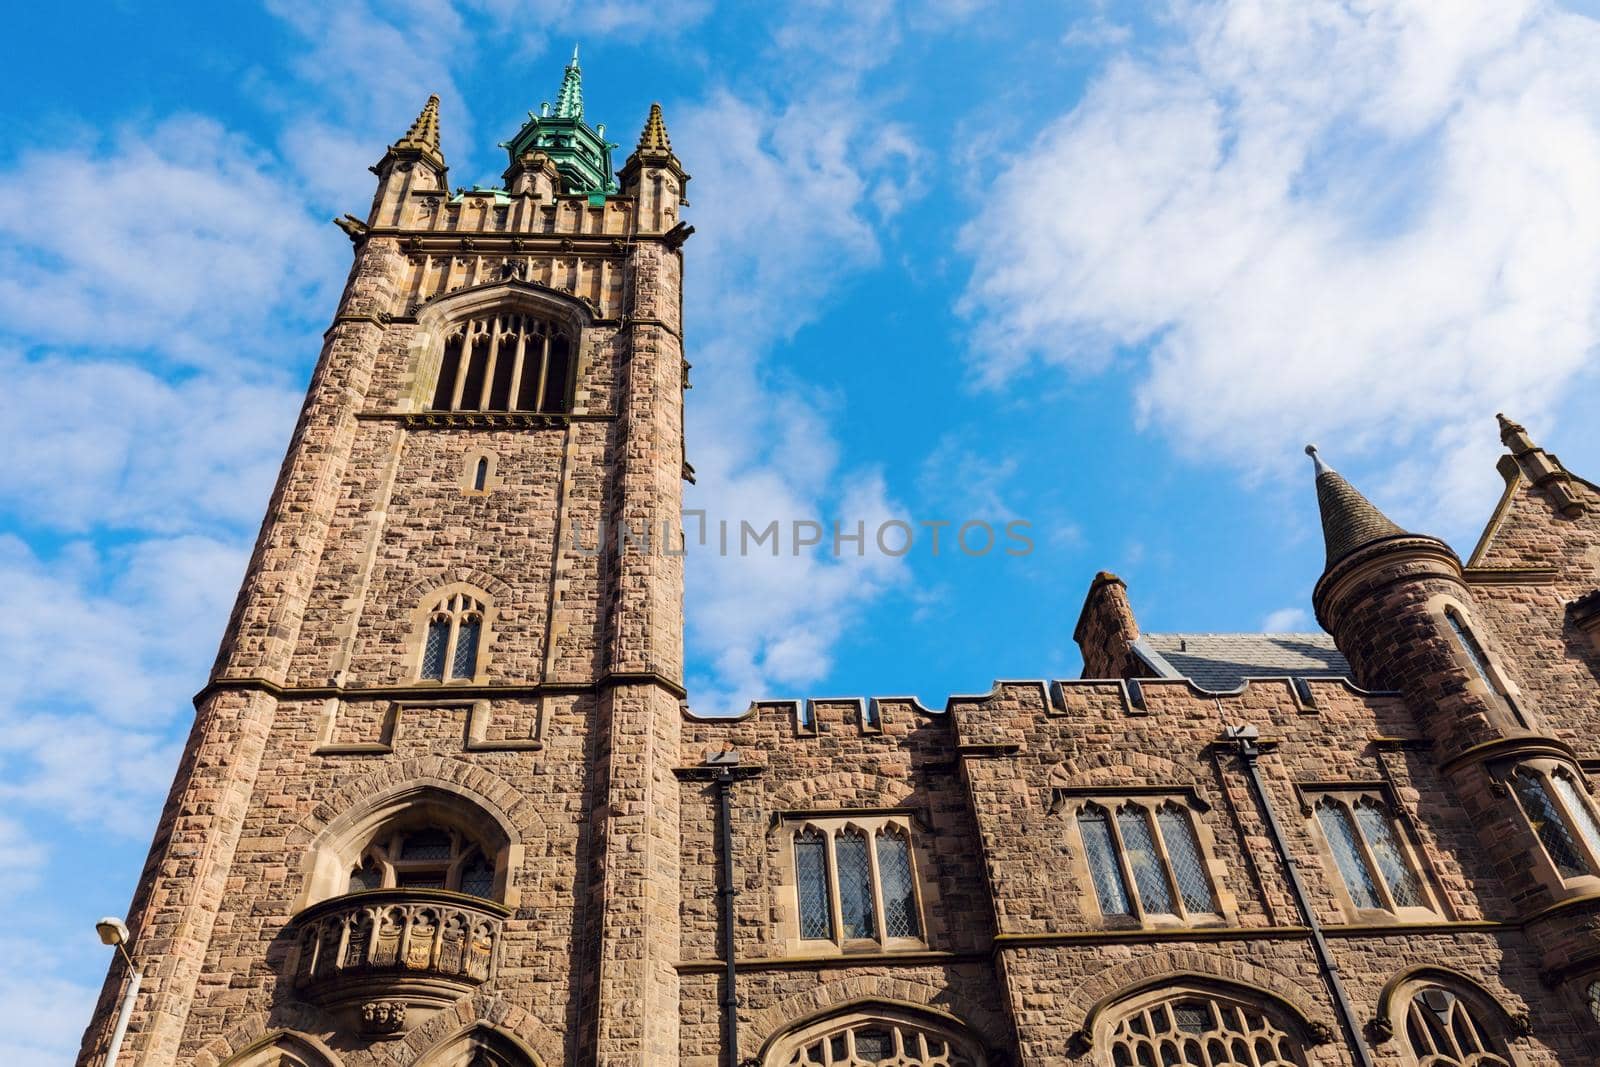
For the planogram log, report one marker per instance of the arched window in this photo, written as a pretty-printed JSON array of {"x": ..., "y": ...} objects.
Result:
[
  {"x": 875, "y": 1035},
  {"x": 452, "y": 639},
  {"x": 479, "y": 1046},
  {"x": 1375, "y": 865},
  {"x": 280, "y": 1050},
  {"x": 507, "y": 362},
  {"x": 425, "y": 857},
  {"x": 1443, "y": 1031},
  {"x": 1198, "y": 1028},
  {"x": 1470, "y": 647},
  {"x": 1556, "y": 807},
  {"x": 856, "y": 880}
]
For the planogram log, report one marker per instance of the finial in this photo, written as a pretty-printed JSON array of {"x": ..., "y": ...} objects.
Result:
[
  {"x": 654, "y": 137},
  {"x": 569, "y": 101},
  {"x": 423, "y": 136},
  {"x": 1509, "y": 429},
  {"x": 1320, "y": 467}
]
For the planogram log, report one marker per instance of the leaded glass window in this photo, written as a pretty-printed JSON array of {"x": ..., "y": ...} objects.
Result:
[
  {"x": 1199, "y": 1030},
  {"x": 1578, "y": 807},
  {"x": 1146, "y": 859},
  {"x": 1377, "y": 867},
  {"x": 425, "y": 857},
  {"x": 856, "y": 880},
  {"x": 1100, "y": 850},
  {"x": 452, "y": 639},
  {"x": 1340, "y": 830},
  {"x": 855, "y": 883},
  {"x": 811, "y": 883},
  {"x": 1377, "y": 828},
  {"x": 1149, "y": 873},
  {"x": 1591, "y": 997},
  {"x": 505, "y": 362},
  {"x": 1548, "y": 824},
  {"x": 1444, "y": 1032}
]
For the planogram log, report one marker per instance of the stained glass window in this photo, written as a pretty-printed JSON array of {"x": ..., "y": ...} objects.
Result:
[
  {"x": 1100, "y": 852},
  {"x": 1149, "y": 873},
  {"x": 855, "y": 883},
  {"x": 811, "y": 881},
  {"x": 899, "y": 895},
  {"x": 1378, "y": 828},
  {"x": 1547, "y": 823},
  {"x": 1188, "y": 870}
]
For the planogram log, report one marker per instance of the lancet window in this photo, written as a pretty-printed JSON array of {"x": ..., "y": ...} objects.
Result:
[
  {"x": 1561, "y": 815},
  {"x": 856, "y": 880},
  {"x": 1145, "y": 859},
  {"x": 452, "y": 639},
  {"x": 1375, "y": 863}
]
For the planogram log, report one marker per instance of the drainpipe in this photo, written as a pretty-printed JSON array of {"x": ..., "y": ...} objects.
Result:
[
  {"x": 1245, "y": 738},
  {"x": 724, "y": 763}
]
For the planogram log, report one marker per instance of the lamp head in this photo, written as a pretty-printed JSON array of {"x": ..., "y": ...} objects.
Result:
[{"x": 112, "y": 931}]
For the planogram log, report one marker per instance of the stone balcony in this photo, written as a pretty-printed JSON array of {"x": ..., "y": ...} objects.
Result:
[{"x": 389, "y": 958}]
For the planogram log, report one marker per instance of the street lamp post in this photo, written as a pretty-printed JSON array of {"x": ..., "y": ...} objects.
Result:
[{"x": 115, "y": 932}]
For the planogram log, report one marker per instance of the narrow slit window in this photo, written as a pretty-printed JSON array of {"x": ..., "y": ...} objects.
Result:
[
  {"x": 1188, "y": 869},
  {"x": 466, "y": 661},
  {"x": 1377, "y": 828},
  {"x": 480, "y": 475},
  {"x": 1469, "y": 644},
  {"x": 1577, "y": 805},
  {"x": 433, "y": 651}
]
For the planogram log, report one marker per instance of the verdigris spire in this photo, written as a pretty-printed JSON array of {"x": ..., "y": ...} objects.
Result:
[
  {"x": 1349, "y": 520},
  {"x": 569, "y": 101},
  {"x": 422, "y": 139},
  {"x": 653, "y": 141},
  {"x": 581, "y": 153}
]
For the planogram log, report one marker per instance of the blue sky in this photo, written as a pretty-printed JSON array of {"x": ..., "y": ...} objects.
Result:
[{"x": 1099, "y": 268}]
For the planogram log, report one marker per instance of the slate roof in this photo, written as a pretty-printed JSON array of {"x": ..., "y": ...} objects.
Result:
[{"x": 1220, "y": 662}]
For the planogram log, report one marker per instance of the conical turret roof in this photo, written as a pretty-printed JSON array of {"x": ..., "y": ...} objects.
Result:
[{"x": 1349, "y": 520}]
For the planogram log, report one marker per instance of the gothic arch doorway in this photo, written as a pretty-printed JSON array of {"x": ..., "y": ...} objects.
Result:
[{"x": 479, "y": 1046}]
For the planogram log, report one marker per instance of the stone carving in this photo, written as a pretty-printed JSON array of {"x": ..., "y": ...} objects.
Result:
[{"x": 381, "y": 1018}]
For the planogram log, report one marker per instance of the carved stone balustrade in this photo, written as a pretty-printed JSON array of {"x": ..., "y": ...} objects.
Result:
[{"x": 390, "y": 958}]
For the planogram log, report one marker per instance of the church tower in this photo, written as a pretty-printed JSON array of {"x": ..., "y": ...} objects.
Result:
[{"x": 427, "y": 811}]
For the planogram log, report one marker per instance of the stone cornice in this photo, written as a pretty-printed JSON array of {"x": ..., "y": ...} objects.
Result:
[
  {"x": 447, "y": 691},
  {"x": 1410, "y": 556}
]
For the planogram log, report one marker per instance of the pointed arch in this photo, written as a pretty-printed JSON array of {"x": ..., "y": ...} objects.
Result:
[
  {"x": 1191, "y": 1023},
  {"x": 876, "y": 1031},
  {"x": 480, "y": 1045},
  {"x": 283, "y": 1048}
]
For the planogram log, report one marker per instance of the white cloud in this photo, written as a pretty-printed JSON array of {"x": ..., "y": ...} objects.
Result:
[
  {"x": 45, "y": 1013},
  {"x": 1367, "y": 224},
  {"x": 1286, "y": 620},
  {"x": 794, "y": 202},
  {"x": 176, "y": 239}
]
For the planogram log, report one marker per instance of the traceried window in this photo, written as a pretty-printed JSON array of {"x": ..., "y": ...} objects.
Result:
[
  {"x": 877, "y": 1036},
  {"x": 505, "y": 362},
  {"x": 1375, "y": 864},
  {"x": 451, "y": 641},
  {"x": 1197, "y": 1030},
  {"x": 1443, "y": 1031},
  {"x": 425, "y": 857},
  {"x": 856, "y": 880},
  {"x": 1145, "y": 859},
  {"x": 1560, "y": 813}
]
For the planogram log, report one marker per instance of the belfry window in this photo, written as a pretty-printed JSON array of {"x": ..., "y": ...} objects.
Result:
[
  {"x": 425, "y": 857},
  {"x": 1369, "y": 850},
  {"x": 855, "y": 880},
  {"x": 451, "y": 640},
  {"x": 1561, "y": 816},
  {"x": 505, "y": 363},
  {"x": 1145, "y": 859}
]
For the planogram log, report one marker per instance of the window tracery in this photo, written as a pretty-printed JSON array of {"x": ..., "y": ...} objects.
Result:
[
  {"x": 1198, "y": 1029},
  {"x": 425, "y": 857},
  {"x": 878, "y": 1037},
  {"x": 1376, "y": 866},
  {"x": 1443, "y": 1031},
  {"x": 452, "y": 639},
  {"x": 1561, "y": 816}
]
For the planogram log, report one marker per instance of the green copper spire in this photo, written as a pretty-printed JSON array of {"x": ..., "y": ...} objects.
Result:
[
  {"x": 580, "y": 152},
  {"x": 569, "y": 101}
]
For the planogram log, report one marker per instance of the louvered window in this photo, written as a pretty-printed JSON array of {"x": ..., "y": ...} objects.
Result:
[
  {"x": 1145, "y": 860},
  {"x": 452, "y": 638},
  {"x": 505, "y": 363},
  {"x": 1377, "y": 867},
  {"x": 856, "y": 880}
]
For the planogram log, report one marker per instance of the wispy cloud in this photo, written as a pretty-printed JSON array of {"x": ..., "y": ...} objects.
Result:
[{"x": 1308, "y": 220}]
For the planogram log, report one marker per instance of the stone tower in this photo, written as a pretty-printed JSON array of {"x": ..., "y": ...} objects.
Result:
[{"x": 451, "y": 682}]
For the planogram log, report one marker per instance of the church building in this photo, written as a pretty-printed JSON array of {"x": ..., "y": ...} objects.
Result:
[{"x": 447, "y": 803}]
